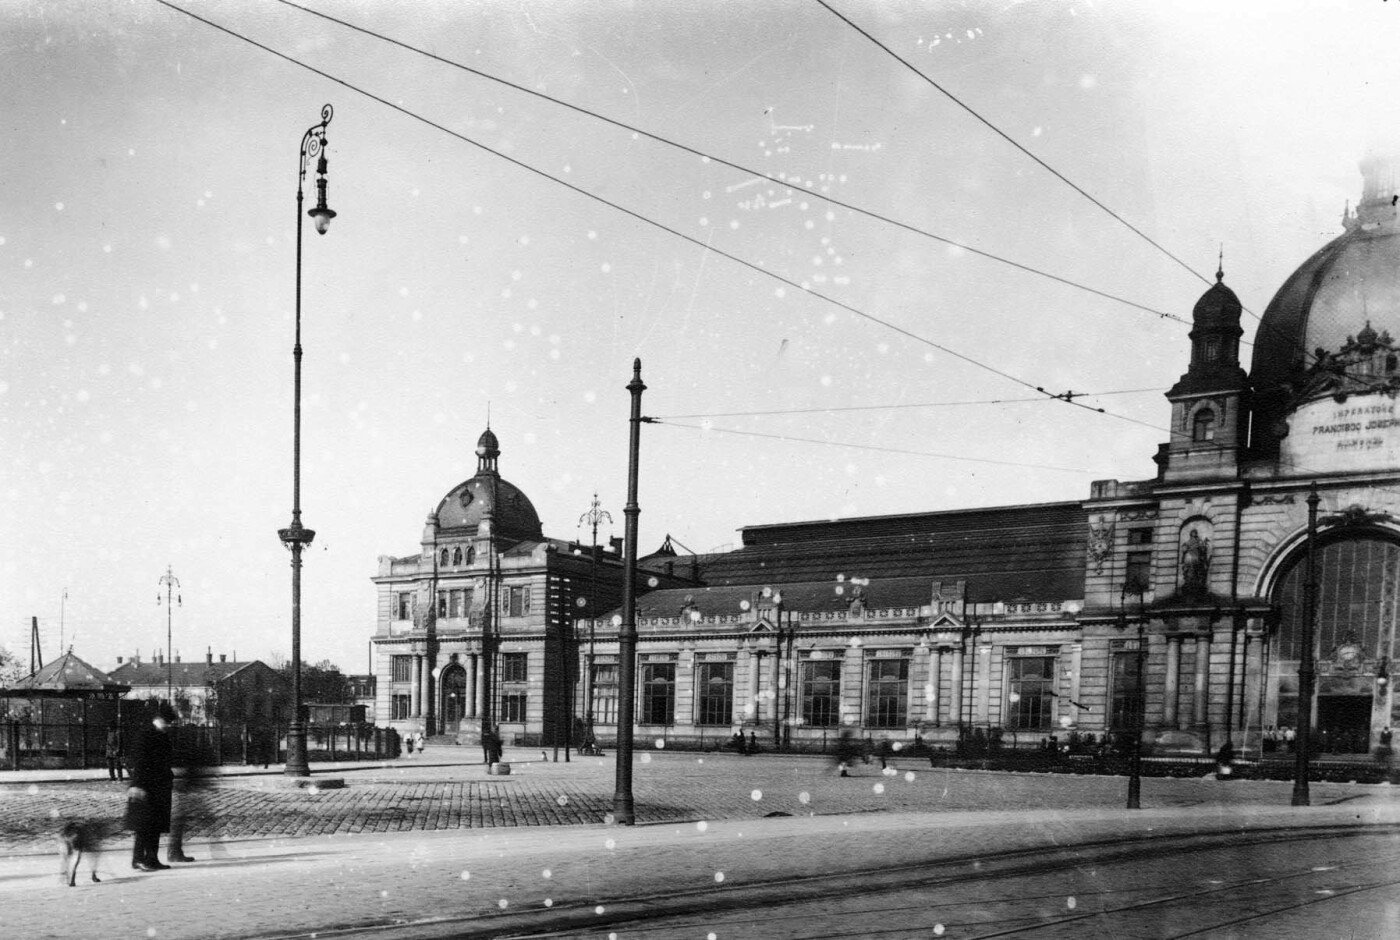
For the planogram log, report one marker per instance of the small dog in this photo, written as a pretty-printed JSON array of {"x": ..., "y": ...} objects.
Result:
[{"x": 74, "y": 839}]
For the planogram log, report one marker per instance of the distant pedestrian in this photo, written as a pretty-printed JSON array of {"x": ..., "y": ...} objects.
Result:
[
  {"x": 148, "y": 798},
  {"x": 737, "y": 742},
  {"x": 753, "y": 744},
  {"x": 886, "y": 752},
  {"x": 1289, "y": 737},
  {"x": 196, "y": 764},
  {"x": 1384, "y": 751},
  {"x": 846, "y": 752},
  {"x": 422, "y": 741},
  {"x": 115, "y": 770},
  {"x": 1225, "y": 761}
]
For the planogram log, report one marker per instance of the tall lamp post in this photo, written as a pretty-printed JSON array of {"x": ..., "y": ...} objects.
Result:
[
  {"x": 1305, "y": 664},
  {"x": 627, "y": 635},
  {"x": 171, "y": 585},
  {"x": 592, "y": 518},
  {"x": 1140, "y": 718},
  {"x": 296, "y": 536}
]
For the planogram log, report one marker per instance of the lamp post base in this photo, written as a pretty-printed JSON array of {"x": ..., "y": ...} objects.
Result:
[{"x": 297, "y": 765}]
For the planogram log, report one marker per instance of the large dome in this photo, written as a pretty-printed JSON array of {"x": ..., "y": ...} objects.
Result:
[
  {"x": 512, "y": 514},
  {"x": 1353, "y": 280},
  {"x": 464, "y": 507}
]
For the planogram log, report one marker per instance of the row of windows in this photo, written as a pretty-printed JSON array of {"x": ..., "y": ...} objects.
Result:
[
  {"x": 456, "y": 557},
  {"x": 1030, "y": 691},
  {"x": 457, "y": 602}
]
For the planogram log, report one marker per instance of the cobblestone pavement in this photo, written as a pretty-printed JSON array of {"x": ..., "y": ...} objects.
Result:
[
  {"x": 452, "y": 794},
  {"x": 439, "y": 841}
]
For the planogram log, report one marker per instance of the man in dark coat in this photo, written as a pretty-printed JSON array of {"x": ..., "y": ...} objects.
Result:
[{"x": 148, "y": 797}]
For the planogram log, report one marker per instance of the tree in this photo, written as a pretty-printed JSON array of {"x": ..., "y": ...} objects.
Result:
[
  {"x": 322, "y": 683},
  {"x": 11, "y": 669}
]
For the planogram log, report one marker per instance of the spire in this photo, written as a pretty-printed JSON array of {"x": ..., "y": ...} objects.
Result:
[{"x": 1220, "y": 265}]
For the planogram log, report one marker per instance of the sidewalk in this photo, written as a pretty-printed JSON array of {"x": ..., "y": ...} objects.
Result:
[{"x": 295, "y": 887}]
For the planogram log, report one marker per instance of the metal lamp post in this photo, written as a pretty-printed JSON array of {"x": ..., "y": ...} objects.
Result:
[
  {"x": 593, "y": 517},
  {"x": 1140, "y": 719},
  {"x": 296, "y": 536},
  {"x": 623, "y": 813},
  {"x": 1305, "y": 664},
  {"x": 171, "y": 584}
]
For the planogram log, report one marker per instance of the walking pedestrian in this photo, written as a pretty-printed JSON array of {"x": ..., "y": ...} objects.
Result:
[
  {"x": 191, "y": 784},
  {"x": 422, "y": 742},
  {"x": 148, "y": 797},
  {"x": 115, "y": 770},
  {"x": 846, "y": 752}
]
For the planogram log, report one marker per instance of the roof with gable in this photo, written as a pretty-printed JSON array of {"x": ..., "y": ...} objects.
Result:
[
  {"x": 198, "y": 674},
  {"x": 71, "y": 675}
]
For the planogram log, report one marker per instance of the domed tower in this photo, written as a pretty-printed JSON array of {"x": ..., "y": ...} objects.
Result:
[
  {"x": 486, "y": 506},
  {"x": 1210, "y": 402},
  {"x": 1325, "y": 338}
]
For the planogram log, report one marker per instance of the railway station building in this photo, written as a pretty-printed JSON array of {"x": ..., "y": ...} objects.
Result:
[{"x": 1175, "y": 602}]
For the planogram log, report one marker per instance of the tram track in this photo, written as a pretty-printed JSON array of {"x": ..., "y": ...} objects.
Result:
[{"x": 749, "y": 909}]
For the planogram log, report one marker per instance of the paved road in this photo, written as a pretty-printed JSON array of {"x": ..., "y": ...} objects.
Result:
[{"x": 446, "y": 848}]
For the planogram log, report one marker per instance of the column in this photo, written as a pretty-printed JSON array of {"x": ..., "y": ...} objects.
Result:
[
  {"x": 755, "y": 709},
  {"x": 1169, "y": 698},
  {"x": 934, "y": 685},
  {"x": 479, "y": 699},
  {"x": 955, "y": 688},
  {"x": 747, "y": 708},
  {"x": 425, "y": 694},
  {"x": 469, "y": 693},
  {"x": 982, "y": 665},
  {"x": 1198, "y": 715},
  {"x": 415, "y": 706}
]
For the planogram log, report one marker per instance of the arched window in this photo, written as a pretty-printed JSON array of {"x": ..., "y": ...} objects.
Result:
[
  {"x": 444, "y": 558},
  {"x": 457, "y": 555},
  {"x": 1203, "y": 425},
  {"x": 1357, "y": 579},
  {"x": 471, "y": 555}
]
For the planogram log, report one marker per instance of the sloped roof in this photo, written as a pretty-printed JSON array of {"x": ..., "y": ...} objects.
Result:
[
  {"x": 69, "y": 674},
  {"x": 1026, "y": 553},
  {"x": 185, "y": 675},
  {"x": 729, "y": 600}
]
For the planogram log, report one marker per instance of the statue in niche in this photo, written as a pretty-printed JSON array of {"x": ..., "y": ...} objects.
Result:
[{"x": 1195, "y": 563}]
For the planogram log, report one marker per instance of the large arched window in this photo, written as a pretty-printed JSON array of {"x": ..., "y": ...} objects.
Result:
[{"x": 1357, "y": 579}]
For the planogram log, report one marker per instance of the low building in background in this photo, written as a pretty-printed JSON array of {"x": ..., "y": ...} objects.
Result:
[{"x": 209, "y": 690}]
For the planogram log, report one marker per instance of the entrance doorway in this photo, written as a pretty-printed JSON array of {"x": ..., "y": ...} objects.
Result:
[
  {"x": 1344, "y": 724},
  {"x": 454, "y": 698}
]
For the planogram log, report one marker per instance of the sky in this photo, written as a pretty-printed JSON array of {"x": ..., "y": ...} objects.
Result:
[{"x": 496, "y": 252}]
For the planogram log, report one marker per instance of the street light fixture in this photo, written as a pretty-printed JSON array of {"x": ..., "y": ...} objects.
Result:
[
  {"x": 1140, "y": 719},
  {"x": 623, "y": 808},
  {"x": 296, "y": 536},
  {"x": 593, "y": 518}
]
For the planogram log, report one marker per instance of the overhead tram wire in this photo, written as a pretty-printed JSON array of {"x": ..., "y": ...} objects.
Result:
[
  {"x": 1307, "y": 353},
  {"x": 856, "y": 311},
  {"x": 874, "y": 447},
  {"x": 902, "y": 405},
  {"x": 831, "y": 200}
]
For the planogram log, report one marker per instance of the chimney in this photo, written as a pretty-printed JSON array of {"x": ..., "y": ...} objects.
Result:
[
  {"x": 223, "y": 657},
  {"x": 177, "y": 657},
  {"x": 209, "y": 655},
  {"x": 119, "y": 660}
]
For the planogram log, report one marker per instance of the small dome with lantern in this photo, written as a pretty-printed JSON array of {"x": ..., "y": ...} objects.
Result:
[{"x": 488, "y": 497}]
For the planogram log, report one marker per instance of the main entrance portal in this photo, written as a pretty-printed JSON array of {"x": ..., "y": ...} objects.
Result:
[
  {"x": 1344, "y": 723},
  {"x": 454, "y": 698}
]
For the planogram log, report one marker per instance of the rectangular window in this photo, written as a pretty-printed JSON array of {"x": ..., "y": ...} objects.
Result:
[
  {"x": 513, "y": 706},
  {"x": 519, "y": 601},
  {"x": 821, "y": 693},
  {"x": 398, "y": 707},
  {"x": 442, "y": 604},
  {"x": 658, "y": 694},
  {"x": 1126, "y": 682},
  {"x": 1030, "y": 684},
  {"x": 715, "y": 692},
  {"x": 605, "y": 693},
  {"x": 403, "y": 606},
  {"x": 887, "y": 693},
  {"x": 1140, "y": 536},
  {"x": 459, "y": 602},
  {"x": 401, "y": 668},
  {"x": 515, "y": 667},
  {"x": 1138, "y": 577}
]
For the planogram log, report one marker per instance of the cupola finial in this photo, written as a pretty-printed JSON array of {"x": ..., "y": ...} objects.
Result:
[{"x": 1220, "y": 264}]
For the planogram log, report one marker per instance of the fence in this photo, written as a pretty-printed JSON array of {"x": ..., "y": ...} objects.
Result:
[{"x": 28, "y": 745}]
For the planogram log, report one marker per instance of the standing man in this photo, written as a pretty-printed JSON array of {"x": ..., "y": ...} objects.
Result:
[
  {"x": 152, "y": 782},
  {"x": 115, "y": 771}
]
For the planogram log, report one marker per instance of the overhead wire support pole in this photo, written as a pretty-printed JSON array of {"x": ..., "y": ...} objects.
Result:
[
  {"x": 623, "y": 812},
  {"x": 169, "y": 582},
  {"x": 1301, "y": 758}
]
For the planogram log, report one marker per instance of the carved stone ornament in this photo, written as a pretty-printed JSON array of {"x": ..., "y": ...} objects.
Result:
[
  {"x": 1100, "y": 543},
  {"x": 1136, "y": 515},
  {"x": 1269, "y": 500},
  {"x": 1346, "y": 656}
]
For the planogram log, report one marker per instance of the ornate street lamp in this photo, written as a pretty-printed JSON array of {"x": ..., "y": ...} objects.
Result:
[
  {"x": 296, "y": 536},
  {"x": 623, "y": 809},
  {"x": 1140, "y": 719},
  {"x": 170, "y": 583},
  {"x": 592, "y": 518},
  {"x": 1306, "y": 668}
]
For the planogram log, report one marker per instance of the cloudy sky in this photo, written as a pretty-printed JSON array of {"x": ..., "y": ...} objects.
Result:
[{"x": 495, "y": 249}]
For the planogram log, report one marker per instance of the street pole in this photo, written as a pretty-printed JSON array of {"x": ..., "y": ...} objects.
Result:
[
  {"x": 296, "y": 536},
  {"x": 627, "y": 636},
  {"x": 1135, "y": 770},
  {"x": 593, "y": 517},
  {"x": 170, "y": 582},
  {"x": 1305, "y": 665}
]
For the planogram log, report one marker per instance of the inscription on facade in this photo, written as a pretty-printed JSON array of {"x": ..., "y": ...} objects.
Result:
[{"x": 1329, "y": 435}]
